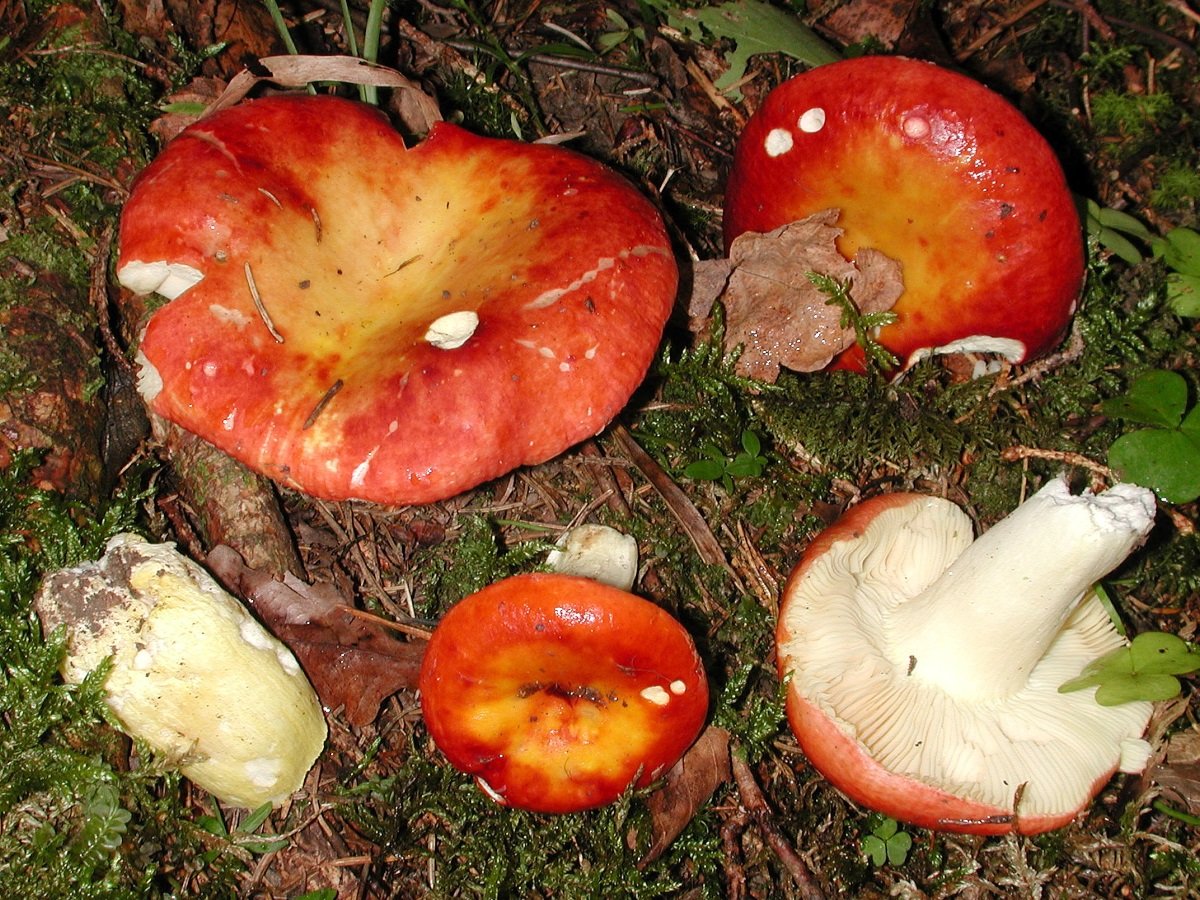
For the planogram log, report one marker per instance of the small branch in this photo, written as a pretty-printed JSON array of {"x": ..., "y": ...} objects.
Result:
[
  {"x": 258, "y": 305},
  {"x": 756, "y": 805},
  {"x": 1066, "y": 457},
  {"x": 681, "y": 507},
  {"x": 321, "y": 404},
  {"x": 988, "y": 36}
]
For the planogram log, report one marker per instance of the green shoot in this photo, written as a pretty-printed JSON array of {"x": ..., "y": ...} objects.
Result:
[
  {"x": 1144, "y": 670},
  {"x": 1164, "y": 456},
  {"x": 716, "y": 466},
  {"x": 753, "y": 27},
  {"x": 244, "y": 836},
  {"x": 865, "y": 325},
  {"x": 371, "y": 44}
]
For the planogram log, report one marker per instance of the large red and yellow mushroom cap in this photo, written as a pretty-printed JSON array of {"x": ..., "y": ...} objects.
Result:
[
  {"x": 357, "y": 319},
  {"x": 558, "y": 693},
  {"x": 937, "y": 172}
]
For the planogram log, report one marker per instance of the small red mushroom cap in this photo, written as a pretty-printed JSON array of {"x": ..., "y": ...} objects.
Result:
[
  {"x": 558, "y": 693},
  {"x": 936, "y": 171},
  {"x": 356, "y": 319}
]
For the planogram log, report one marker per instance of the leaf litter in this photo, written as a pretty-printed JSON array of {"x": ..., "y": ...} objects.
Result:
[{"x": 774, "y": 312}]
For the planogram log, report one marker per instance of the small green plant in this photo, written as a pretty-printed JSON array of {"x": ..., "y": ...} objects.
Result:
[
  {"x": 886, "y": 843},
  {"x": 244, "y": 835},
  {"x": 1165, "y": 455},
  {"x": 1144, "y": 670},
  {"x": 752, "y": 27},
  {"x": 716, "y": 466},
  {"x": 865, "y": 325},
  {"x": 622, "y": 31},
  {"x": 1179, "y": 249}
]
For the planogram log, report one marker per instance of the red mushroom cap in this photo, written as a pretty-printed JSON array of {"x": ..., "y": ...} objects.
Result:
[
  {"x": 558, "y": 693},
  {"x": 360, "y": 320},
  {"x": 936, "y": 171}
]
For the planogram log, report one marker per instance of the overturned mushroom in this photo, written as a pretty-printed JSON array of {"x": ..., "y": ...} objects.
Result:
[
  {"x": 923, "y": 668},
  {"x": 360, "y": 320},
  {"x": 193, "y": 674},
  {"x": 935, "y": 171}
]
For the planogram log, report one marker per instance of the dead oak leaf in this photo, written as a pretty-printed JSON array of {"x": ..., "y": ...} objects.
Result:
[
  {"x": 352, "y": 663},
  {"x": 777, "y": 315},
  {"x": 686, "y": 788}
]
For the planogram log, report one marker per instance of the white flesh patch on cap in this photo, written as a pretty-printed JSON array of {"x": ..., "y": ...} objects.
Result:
[
  {"x": 264, "y": 771},
  {"x": 168, "y": 279},
  {"x": 678, "y": 687},
  {"x": 915, "y": 127},
  {"x": 778, "y": 142},
  {"x": 656, "y": 694},
  {"x": 811, "y": 120},
  {"x": 451, "y": 331},
  {"x": 838, "y": 645},
  {"x": 553, "y": 295},
  {"x": 359, "y": 476},
  {"x": 228, "y": 314}
]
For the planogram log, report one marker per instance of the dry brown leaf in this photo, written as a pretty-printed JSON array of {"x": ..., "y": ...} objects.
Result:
[
  {"x": 300, "y": 70},
  {"x": 688, "y": 785},
  {"x": 777, "y": 315},
  {"x": 351, "y": 662},
  {"x": 1179, "y": 773}
]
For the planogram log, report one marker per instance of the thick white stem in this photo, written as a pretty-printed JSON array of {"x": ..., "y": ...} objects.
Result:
[{"x": 979, "y": 630}]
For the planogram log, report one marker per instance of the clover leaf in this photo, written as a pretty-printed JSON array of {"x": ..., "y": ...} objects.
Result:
[
  {"x": 1165, "y": 456},
  {"x": 1144, "y": 670},
  {"x": 887, "y": 843}
]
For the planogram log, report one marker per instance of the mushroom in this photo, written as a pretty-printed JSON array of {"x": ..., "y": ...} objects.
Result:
[
  {"x": 360, "y": 320},
  {"x": 923, "y": 668},
  {"x": 193, "y": 674},
  {"x": 935, "y": 171},
  {"x": 596, "y": 551},
  {"x": 558, "y": 693}
]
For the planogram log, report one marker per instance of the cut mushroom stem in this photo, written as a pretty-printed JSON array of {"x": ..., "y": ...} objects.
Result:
[{"x": 1016, "y": 584}]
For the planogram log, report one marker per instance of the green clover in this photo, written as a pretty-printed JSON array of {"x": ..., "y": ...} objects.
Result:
[
  {"x": 1145, "y": 670},
  {"x": 887, "y": 843},
  {"x": 1165, "y": 455}
]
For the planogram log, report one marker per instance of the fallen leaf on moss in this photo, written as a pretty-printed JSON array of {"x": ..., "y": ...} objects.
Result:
[
  {"x": 687, "y": 787},
  {"x": 351, "y": 662},
  {"x": 774, "y": 312}
]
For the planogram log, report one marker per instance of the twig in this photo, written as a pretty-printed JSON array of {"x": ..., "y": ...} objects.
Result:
[
  {"x": 321, "y": 404},
  {"x": 402, "y": 627},
  {"x": 258, "y": 305},
  {"x": 681, "y": 507},
  {"x": 756, "y": 805},
  {"x": 988, "y": 36},
  {"x": 98, "y": 293},
  {"x": 578, "y": 65},
  {"x": 1066, "y": 457}
]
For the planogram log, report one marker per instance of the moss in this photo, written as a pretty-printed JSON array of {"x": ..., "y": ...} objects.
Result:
[
  {"x": 1178, "y": 187},
  {"x": 430, "y": 811}
]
